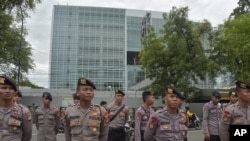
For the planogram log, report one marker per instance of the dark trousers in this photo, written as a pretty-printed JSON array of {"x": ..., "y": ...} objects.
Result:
[
  {"x": 117, "y": 135},
  {"x": 142, "y": 135},
  {"x": 214, "y": 138}
]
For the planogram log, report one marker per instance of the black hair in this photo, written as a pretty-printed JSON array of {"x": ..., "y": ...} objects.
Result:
[
  {"x": 103, "y": 103},
  {"x": 145, "y": 95}
]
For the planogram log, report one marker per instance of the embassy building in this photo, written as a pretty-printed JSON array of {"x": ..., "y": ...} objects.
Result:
[{"x": 101, "y": 44}]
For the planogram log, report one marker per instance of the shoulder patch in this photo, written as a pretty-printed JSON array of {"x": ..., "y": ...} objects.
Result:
[
  {"x": 138, "y": 115},
  {"x": 153, "y": 121},
  {"x": 226, "y": 116}
]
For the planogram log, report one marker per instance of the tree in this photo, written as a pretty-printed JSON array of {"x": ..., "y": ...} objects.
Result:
[
  {"x": 231, "y": 47},
  {"x": 243, "y": 8},
  {"x": 15, "y": 51},
  {"x": 27, "y": 83},
  {"x": 177, "y": 56}
]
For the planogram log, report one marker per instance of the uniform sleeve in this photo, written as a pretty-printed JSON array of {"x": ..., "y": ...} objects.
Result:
[
  {"x": 57, "y": 117},
  {"x": 137, "y": 125},
  {"x": 224, "y": 126},
  {"x": 67, "y": 127},
  {"x": 127, "y": 114},
  {"x": 36, "y": 120},
  {"x": 205, "y": 116},
  {"x": 151, "y": 128},
  {"x": 104, "y": 128},
  {"x": 27, "y": 125}
]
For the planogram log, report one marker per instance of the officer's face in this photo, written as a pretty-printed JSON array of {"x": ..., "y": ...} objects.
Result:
[
  {"x": 76, "y": 101},
  {"x": 215, "y": 100},
  {"x": 244, "y": 95},
  {"x": 151, "y": 99},
  {"x": 6, "y": 92},
  {"x": 173, "y": 101},
  {"x": 119, "y": 97},
  {"x": 86, "y": 93},
  {"x": 233, "y": 98},
  {"x": 46, "y": 101},
  {"x": 17, "y": 98}
]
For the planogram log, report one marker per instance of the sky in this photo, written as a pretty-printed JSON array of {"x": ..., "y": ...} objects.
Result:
[{"x": 40, "y": 21}]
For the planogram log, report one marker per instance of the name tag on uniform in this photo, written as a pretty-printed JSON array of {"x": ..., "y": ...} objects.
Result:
[
  {"x": 74, "y": 123},
  {"x": 14, "y": 122}
]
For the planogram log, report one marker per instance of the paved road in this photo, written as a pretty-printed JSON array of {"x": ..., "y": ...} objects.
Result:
[{"x": 193, "y": 135}]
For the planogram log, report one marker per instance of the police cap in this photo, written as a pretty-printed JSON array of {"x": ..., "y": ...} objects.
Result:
[
  {"x": 231, "y": 92},
  {"x": 119, "y": 92},
  {"x": 216, "y": 93},
  {"x": 47, "y": 95},
  {"x": 85, "y": 82},
  {"x": 242, "y": 85},
  {"x": 4, "y": 80},
  {"x": 19, "y": 93},
  {"x": 183, "y": 96},
  {"x": 75, "y": 96},
  {"x": 172, "y": 90}
]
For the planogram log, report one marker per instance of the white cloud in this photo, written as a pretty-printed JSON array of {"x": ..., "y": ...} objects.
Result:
[{"x": 39, "y": 23}]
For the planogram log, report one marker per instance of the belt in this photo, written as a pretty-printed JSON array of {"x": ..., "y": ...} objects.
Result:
[{"x": 116, "y": 129}]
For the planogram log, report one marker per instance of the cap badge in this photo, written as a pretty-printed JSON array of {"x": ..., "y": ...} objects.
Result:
[
  {"x": 2, "y": 80},
  {"x": 243, "y": 85},
  {"x": 170, "y": 91},
  {"x": 83, "y": 81}
]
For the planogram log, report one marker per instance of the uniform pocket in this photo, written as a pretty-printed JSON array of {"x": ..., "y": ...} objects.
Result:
[
  {"x": 76, "y": 128},
  {"x": 51, "y": 117},
  {"x": 183, "y": 130},
  {"x": 94, "y": 127},
  {"x": 165, "y": 131},
  {"x": 14, "y": 125}
]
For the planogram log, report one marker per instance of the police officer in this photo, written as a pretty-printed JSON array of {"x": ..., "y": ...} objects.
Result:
[
  {"x": 211, "y": 117},
  {"x": 232, "y": 98},
  {"x": 118, "y": 116},
  {"x": 182, "y": 104},
  {"x": 238, "y": 113},
  {"x": 47, "y": 119},
  {"x": 85, "y": 121},
  {"x": 169, "y": 123},
  {"x": 18, "y": 96},
  {"x": 76, "y": 98},
  {"x": 142, "y": 115},
  {"x": 104, "y": 104},
  {"x": 15, "y": 121}
]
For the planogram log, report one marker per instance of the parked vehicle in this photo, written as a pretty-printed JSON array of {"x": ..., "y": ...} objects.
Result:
[
  {"x": 195, "y": 123},
  {"x": 130, "y": 131},
  {"x": 61, "y": 128}
]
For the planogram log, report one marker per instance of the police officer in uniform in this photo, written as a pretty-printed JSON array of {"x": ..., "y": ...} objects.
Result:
[
  {"x": 85, "y": 121},
  {"x": 232, "y": 98},
  {"x": 18, "y": 97},
  {"x": 169, "y": 123},
  {"x": 76, "y": 98},
  {"x": 211, "y": 117},
  {"x": 15, "y": 121},
  {"x": 142, "y": 115},
  {"x": 182, "y": 104},
  {"x": 238, "y": 113},
  {"x": 118, "y": 116},
  {"x": 47, "y": 119}
]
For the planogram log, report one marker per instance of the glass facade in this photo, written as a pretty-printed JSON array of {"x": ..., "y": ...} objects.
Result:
[{"x": 101, "y": 44}]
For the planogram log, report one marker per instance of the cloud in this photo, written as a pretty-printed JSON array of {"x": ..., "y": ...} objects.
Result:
[{"x": 39, "y": 23}]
